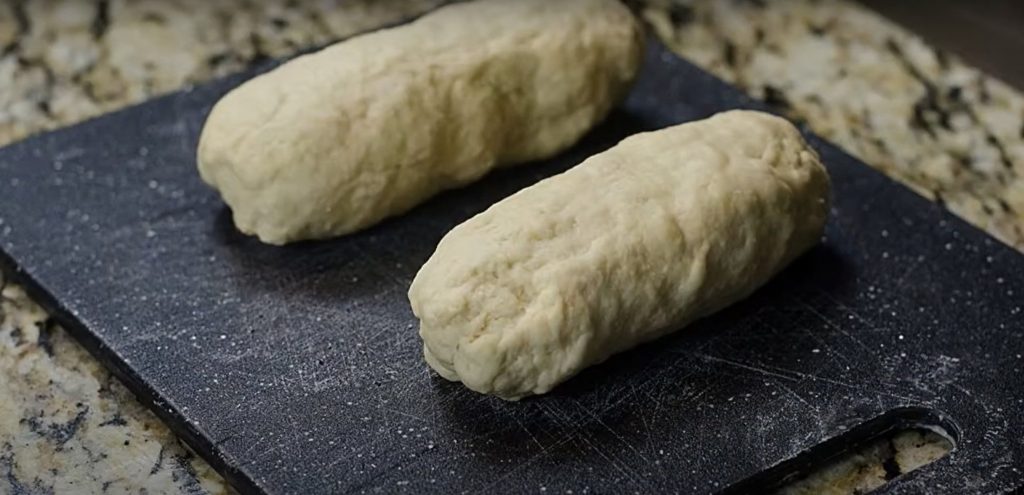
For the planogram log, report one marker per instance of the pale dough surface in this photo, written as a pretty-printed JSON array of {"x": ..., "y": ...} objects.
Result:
[
  {"x": 338, "y": 140},
  {"x": 636, "y": 242}
]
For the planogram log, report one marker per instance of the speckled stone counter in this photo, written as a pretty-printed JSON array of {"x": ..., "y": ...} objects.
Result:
[
  {"x": 66, "y": 425},
  {"x": 921, "y": 116}
]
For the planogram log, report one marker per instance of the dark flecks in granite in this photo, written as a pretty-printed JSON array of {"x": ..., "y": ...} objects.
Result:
[
  {"x": 102, "y": 20},
  {"x": 954, "y": 93},
  {"x": 116, "y": 420},
  {"x": 320, "y": 24},
  {"x": 680, "y": 14},
  {"x": 928, "y": 110},
  {"x": 879, "y": 143},
  {"x": 776, "y": 98},
  {"x": 90, "y": 89},
  {"x": 895, "y": 49},
  {"x": 93, "y": 457},
  {"x": 154, "y": 17},
  {"x": 932, "y": 109},
  {"x": 729, "y": 53},
  {"x": 44, "y": 104},
  {"x": 159, "y": 461},
  {"x": 22, "y": 26},
  {"x": 218, "y": 58},
  {"x": 21, "y": 19},
  {"x": 891, "y": 467},
  {"x": 22, "y": 62},
  {"x": 104, "y": 390},
  {"x": 56, "y": 432},
  {"x": 928, "y": 113},
  {"x": 1000, "y": 148},
  {"x": 183, "y": 473},
  {"x": 16, "y": 334},
  {"x": 759, "y": 35},
  {"x": 260, "y": 54},
  {"x": 7, "y": 465},
  {"x": 821, "y": 30},
  {"x": 965, "y": 163},
  {"x": 44, "y": 340}
]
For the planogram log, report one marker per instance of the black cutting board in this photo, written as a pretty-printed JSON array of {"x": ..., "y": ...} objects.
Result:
[{"x": 298, "y": 369}]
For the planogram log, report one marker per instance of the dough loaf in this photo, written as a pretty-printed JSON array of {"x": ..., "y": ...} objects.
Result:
[
  {"x": 634, "y": 243},
  {"x": 338, "y": 140}
]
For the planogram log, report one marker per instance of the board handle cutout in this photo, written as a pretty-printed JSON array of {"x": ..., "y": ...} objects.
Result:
[{"x": 864, "y": 458}]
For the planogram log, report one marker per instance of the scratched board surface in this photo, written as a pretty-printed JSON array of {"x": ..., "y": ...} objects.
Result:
[{"x": 298, "y": 369}]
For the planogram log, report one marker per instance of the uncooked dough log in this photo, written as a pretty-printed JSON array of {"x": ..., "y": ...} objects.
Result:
[
  {"x": 634, "y": 243},
  {"x": 338, "y": 140}
]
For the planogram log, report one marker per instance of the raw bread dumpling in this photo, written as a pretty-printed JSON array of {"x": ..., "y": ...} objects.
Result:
[
  {"x": 338, "y": 140},
  {"x": 636, "y": 242}
]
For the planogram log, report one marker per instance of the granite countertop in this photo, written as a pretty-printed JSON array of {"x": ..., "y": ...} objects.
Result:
[{"x": 921, "y": 116}]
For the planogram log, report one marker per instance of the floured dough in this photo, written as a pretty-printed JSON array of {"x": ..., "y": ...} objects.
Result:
[
  {"x": 335, "y": 141},
  {"x": 634, "y": 243}
]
